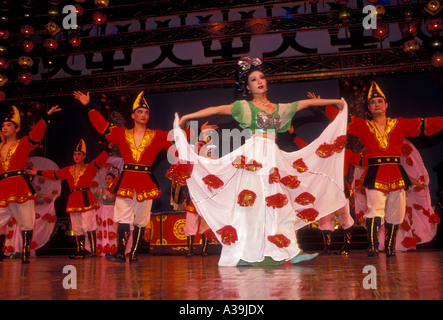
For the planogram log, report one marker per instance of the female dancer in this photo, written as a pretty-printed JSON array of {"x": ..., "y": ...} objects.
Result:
[{"x": 257, "y": 196}]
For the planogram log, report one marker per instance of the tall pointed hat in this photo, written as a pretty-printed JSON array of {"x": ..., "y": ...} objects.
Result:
[
  {"x": 13, "y": 116},
  {"x": 375, "y": 92},
  {"x": 140, "y": 102},
  {"x": 81, "y": 146}
]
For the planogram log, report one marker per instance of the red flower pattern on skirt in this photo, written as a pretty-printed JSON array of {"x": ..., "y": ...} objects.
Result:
[
  {"x": 246, "y": 198},
  {"x": 279, "y": 240},
  {"x": 213, "y": 182},
  {"x": 278, "y": 200},
  {"x": 300, "y": 165},
  {"x": 228, "y": 235},
  {"x": 308, "y": 215}
]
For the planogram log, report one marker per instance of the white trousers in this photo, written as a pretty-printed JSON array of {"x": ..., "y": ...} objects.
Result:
[
  {"x": 83, "y": 222},
  {"x": 343, "y": 216},
  {"x": 24, "y": 213},
  {"x": 391, "y": 207},
  {"x": 194, "y": 224},
  {"x": 132, "y": 212}
]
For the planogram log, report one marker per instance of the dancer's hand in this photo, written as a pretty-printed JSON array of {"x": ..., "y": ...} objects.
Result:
[
  {"x": 54, "y": 109},
  {"x": 32, "y": 171},
  {"x": 206, "y": 126},
  {"x": 311, "y": 95},
  {"x": 83, "y": 98}
]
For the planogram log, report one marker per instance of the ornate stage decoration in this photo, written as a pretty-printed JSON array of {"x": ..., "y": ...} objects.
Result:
[{"x": 121, "y": 45}]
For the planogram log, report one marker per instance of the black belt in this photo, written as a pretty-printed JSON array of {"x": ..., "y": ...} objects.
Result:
[
  {"x": 80, "y": 189},
  {"x": 136, "y": 167},
  {"x": 10, "y": 174},
  {"x": 383, "y": 160}
]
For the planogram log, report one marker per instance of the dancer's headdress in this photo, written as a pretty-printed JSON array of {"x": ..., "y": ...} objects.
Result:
[
  {"x": 81, "y": 146},
  {"x": 375, "y": 92},
  {"x": 13, "y": 116},
  {"x": 140, "y": 102},
  {"x": 244, "y": 67}
]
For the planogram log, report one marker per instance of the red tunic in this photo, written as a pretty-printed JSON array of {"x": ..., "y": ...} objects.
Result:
[
  {"x": 16, "y": 189},
  {"x": 389, "y": 176},
  {"x": 80, "y": 199},
  {"x": 130, "y": 181}
]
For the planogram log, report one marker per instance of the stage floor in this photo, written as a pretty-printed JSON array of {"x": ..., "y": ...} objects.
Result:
[{"x": 412, "y": 275}]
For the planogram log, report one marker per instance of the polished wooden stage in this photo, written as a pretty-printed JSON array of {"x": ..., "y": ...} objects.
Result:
[{"x": 411, "y": 275}]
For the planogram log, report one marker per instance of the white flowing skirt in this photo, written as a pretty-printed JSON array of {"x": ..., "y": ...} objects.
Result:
[{"x": 263, "y": 206}]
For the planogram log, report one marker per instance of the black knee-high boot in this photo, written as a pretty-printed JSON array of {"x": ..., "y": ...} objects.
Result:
[
  {"x": 80, "y": 250},
  {"x": 190, "y": 246},
  {"x": 2, "y": 244},
  {"x": 373, "y": 226},
  {"x": 346, "y": 249},
  {"x": 327, "y": 238},
  {"x": 92, "y": 236},
  {"x": 123, "y": 230},
  {"x": 390, "y": 238},
  {"x": 137, "y": 236},
  {"x": 27, "y": 239},
  {"x": 204, "y": 245}
]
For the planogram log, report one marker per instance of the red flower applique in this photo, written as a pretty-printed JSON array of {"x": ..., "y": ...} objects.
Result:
[
  {"x": 291, "y": 182},
  {"x": 213, "y": 182},
  {"x": 340, "y": 143},
  {"x": 228, "y": 235},
  {"x": 406, "y": 150},
  {"x": 325, "y": 150},
  {"x": 308, "y": 215},
  {"x": 246, "y": 198},
  {"x": 409, "y": 242},
  {"x": 405, "y": 225},
  {"x": 253, "y": 166},
  {"x": 305, "y": 198},
  {"x": 180, "y": 172},
  {"x": 300, "y": 165},
  {"x": 239, "y": 162},
  {"x": 360, "y": 216},
  {"x": 274, "y": 175},
  {"x": 279, "y": 240},
  {"x": 434, "y": 218},
  {"x": 278, "y": 200}
]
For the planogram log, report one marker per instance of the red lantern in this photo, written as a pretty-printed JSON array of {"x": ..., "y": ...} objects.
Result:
[
  {"x": 78, "y": 9},
  {"x": 98, "y": 18},
  {"x": 434, "y": 26},
  {"x": 4, "y": 63},
  {"x": 382, "y": 31},
  {"x": 27, "y": 45},
  {"x": 2, "y": 95},
  {"x": 50, "y": 44},
  {"x": 4, "y": 33},
  {"x": 437, "y": 59},
  {"x": 24, "y": 77},
  {"x": 74, "y": 39},
  {"x": 27, "y": 30}
]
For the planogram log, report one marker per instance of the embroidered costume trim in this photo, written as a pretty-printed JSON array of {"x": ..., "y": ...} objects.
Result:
[
  {"x": 383, "y": 139},
  {"x": 146, "y": 141}
]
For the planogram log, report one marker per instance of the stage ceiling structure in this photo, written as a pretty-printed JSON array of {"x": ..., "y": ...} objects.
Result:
[{"x": 159, "y": 46}]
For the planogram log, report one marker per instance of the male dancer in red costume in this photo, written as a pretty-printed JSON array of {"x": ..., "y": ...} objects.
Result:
[
  {"x": 16, "y": 193},
  {"x": 81, "y": 203},
  {"x": 134, "y": 187},
  {"x": 385, "y": 179}
]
